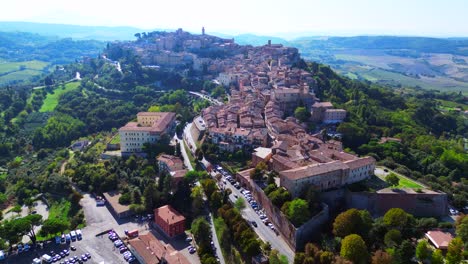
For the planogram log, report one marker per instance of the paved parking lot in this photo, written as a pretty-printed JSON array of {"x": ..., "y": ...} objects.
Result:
[{"x": 100, "y": 248}]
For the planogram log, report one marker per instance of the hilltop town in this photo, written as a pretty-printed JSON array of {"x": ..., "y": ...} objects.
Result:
[{"x": 195, "y": 149}]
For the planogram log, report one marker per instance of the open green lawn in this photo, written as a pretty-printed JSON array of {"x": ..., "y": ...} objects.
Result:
[
  {"x": 60, "y": 209},
  {"x": 51, "y": 101},
  {"x": 449, "y": 105},
  {"x": 115, "y": 139},
  {"x": 405, "y": 182}
]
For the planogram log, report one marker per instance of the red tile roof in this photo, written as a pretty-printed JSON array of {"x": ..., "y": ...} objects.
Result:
[
  {"x": 158, "y": 126},
  {"x": 151, "y": 250},
  {"x": 169, "y": 214},
  {"x": 439, "y": 239}
]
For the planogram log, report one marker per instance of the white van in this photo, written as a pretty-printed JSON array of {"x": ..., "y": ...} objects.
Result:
[
  {"x": 79, "y": 235},
  {"x": 46, "y": 258},
  {"x": 73, "y": 235}
]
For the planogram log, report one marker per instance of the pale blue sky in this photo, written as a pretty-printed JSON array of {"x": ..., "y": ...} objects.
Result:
[{"x": 277, "y": 17}]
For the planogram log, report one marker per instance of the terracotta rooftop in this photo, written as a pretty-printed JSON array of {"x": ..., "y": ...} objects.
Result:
[
  {"x": 314, "y": 169},
  {"x": 169, "y": 214},
  {"x": 322, "y": 104},
  {"x": 358, "y": 163},
  {"x": 174, "y": 163},
  {"x": 151, "y": 250},
  {"x": 158, "y": 126},
  {"x": 439, "y": 239}
]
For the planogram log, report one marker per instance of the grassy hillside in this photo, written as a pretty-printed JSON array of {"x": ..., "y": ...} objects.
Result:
[{"x": 51, "y": 101}]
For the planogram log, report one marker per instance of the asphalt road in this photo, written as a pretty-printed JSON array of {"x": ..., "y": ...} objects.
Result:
[
  {"x": 219, "y": 253},
  {"x": 183, "y": 150},
  {"x": 263, "y": 231}
]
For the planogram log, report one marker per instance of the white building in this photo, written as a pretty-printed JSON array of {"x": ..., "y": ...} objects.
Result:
[{"x": 149, "y": 128}]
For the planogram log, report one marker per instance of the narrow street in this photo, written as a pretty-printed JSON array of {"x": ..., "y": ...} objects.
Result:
[
  {"x": 187, "y": 163},
  {"x": 264, "y": 232}
]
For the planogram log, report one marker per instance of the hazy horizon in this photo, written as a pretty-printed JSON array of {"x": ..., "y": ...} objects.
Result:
[{"x": 297, "y": 18}]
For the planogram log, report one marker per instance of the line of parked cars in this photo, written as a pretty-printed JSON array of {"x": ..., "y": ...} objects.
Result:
[
  {"x": 69, "y": 237},
  {"x": 119, "y": 244},
  {"x": 53, "y": 257}
]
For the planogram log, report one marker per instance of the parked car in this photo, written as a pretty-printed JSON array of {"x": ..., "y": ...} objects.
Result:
[{"x": 254, "y": 223}]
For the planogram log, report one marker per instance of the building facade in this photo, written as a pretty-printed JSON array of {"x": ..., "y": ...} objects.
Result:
[
  {"x": 171, "y": 222},
  {"x": 149, "y": 128}
]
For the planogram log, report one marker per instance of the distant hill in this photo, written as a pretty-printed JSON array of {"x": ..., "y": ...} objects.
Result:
[
  {"x": 26, "y": 56},
  {"x": 430, "y": 63},
  {"x": 72, "y": 31}
]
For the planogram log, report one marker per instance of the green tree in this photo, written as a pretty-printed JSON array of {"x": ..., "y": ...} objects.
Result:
[
  {"x": 437, "y": 257},
  {"x": 352, "y": 221},
  {"x": 462, "y": 229},
  {"x": 252, "y": 247},
  {"x": 404, "y": 253},
  {"x": 216, "y": 200},
  {"x": 299, "y": 258},
  {"x": 298, "y": 212},
  {"x": 197, "y": 200},
  {"x": 209, "y": 186},
  {"x": 200, "y": 228},
  {"x": 326, "y": 257},
  {"x": 257, "y": 173},
  {"x": 396, "y": 217},
  {"x": 392, "y": 238},
  {"x": 454, "y": 251},
  {"x": 54, "y": 226},
  {"x": 392, "y": 179},
  {"x": 301, "y": 114},
  {"x": 192, "y": 176},
  {"x": 125, "y": 199},
  {"x": 422, "y": 250},
  {"x": 25, "y": 226},
  {"x": 354, "y": 248},
  {"x": 151, "y": 197},
  {"x": 239, "y": 204}
]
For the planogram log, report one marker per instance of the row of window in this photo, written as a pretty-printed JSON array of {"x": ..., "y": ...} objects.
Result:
[{"x": 136, "y": 134}]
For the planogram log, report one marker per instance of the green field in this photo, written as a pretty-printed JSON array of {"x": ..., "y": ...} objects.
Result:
[
  {"x": 20, "y": 71},
  {"x": 60, "y": 209},
  {"x": 407, "y": 183},
  {"x": 404, "y": 182},
  {"x": 449, "y": 105},
  {"x": 15, "y": 66},
  {"x": 51, "y": 101}
]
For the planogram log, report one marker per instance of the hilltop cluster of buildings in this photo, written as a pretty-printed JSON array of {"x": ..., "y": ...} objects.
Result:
[{"x": 265, "y": 89}]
